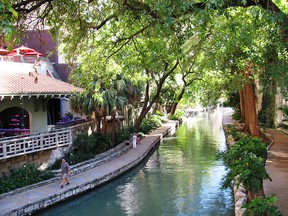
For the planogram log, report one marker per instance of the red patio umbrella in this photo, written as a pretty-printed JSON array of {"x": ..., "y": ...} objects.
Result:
[
  {"x": 11, "y": 53},
  {"x": 33, "y": 53},
  {"x": 23, "y": 49},
  {"x": 3, "y": 51}
]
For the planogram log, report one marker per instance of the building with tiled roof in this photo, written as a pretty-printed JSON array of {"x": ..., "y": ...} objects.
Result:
[
  {"x": 21, "y": 80},
  {"x": 32, "y": 96}
]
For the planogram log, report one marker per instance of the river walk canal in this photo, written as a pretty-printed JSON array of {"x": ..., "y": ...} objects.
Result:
[{"x": 181, "y": 177}]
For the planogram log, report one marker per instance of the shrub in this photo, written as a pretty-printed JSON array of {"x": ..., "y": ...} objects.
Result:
[
  {"x": 236, "y": 115},
  {"x": 232, "y": 130},
  {"x": 263, "y": 207},
  {"x": 179, "y": 114},
  {"x": 246, "y": 160},
  {"x": 159, "y": 113},
  {"x": 284, "y": 109},
  {"x": 86, "y": 147},
  {"x": 149, "y": 124},
  {"x": 121, "y": 136},
  {"x": 23, "y": 176}
]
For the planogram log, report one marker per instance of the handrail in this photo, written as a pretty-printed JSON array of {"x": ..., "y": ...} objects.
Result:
[
  {"x": 30, "y": 143},
  {"x": 34, "y": 143}
]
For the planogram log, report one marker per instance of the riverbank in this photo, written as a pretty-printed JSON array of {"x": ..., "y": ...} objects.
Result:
[
  {"x": 37, "y": 197},
  {"x": 276, "y": 166}
]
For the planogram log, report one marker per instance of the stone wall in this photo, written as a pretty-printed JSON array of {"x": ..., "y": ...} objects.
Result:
[{"x": 37, "y": 158}]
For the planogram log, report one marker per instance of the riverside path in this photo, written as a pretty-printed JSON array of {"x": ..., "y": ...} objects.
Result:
[
  {"x": 41, "y": 196},
  {"x": 277, "y": 168}
]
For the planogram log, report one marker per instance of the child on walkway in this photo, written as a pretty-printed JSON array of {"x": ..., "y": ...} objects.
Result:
[
  {"x": 65, "y": 172},
  {"x": 134, "y": 140}
]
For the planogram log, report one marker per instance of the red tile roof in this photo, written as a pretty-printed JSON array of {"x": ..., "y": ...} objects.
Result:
[{"x": 21, "y": 79}]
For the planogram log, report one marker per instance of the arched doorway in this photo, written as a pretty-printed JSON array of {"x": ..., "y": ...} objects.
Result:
[{"x": 14, "y": 121}]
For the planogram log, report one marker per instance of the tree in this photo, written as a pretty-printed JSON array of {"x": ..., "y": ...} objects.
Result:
[
  {"x": 144, "y": 38},
  {"x": 83, "y": 18},
  {"x": 245, "y": 48}
]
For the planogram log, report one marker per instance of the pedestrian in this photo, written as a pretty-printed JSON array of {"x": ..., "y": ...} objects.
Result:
[
  {"x": 65, "y": 172},
  {"x": 134, "y": 140}
]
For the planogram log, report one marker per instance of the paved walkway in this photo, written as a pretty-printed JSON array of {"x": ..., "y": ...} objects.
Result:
[
  {"x": 40, "y": 197},
  {"x": 277, "y": 168}
]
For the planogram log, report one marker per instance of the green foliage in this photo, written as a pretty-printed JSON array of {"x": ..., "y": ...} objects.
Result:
[
  {"x": 232, "y": 130},
  {"x": 282, "y": 125},
  {"x": 236, "y": 115},
  {"x": 159, "y": 113},
  {"x": 122, "y": 135},
  {"x": 262, "y": 206},
  {"x": 86, "y": 147},
  {"x": 179, "y": 114},
  {"x": 245, "y": 159},
  {"x": 23, "y": 176},
  {"x": 149, "y": 124},
  {"x": 267, "y": 113},
  {"x": 284, "y": 109},
  {"x": 8, "y": 18}
]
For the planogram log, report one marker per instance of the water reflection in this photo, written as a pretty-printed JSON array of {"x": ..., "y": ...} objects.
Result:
[{"x": 182, "y": 177}]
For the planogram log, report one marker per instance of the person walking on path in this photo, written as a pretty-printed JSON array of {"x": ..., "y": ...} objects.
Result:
[
  {"x": 65, "y": 173},
  {"x": 134, "y": 140}
]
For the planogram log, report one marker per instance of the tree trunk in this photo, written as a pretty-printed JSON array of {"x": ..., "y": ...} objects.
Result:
[
  {"x": 174, "y": 107},
  {"x": 246, "y": 110},
  {"x": 146, "y": 108},
  {"x": 251, "y": 119},
  {"x": 242, "y": 106},
  {"x": 113, "y": 127},
  {"x": 180, "y": 96}
]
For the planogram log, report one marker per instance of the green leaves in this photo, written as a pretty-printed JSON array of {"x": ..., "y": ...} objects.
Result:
[
  {"x": 245, "y": 160},
  {"x": 8, "y": 17}
]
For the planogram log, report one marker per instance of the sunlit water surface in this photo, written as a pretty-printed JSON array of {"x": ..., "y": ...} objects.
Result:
[{"x": 182, "y": 177}]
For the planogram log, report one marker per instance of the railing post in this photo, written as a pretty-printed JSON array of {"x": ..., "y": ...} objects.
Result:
[
  {"x": 41, "y": 141},
  {"x": 4, "y": 150},
  {"x": 70, "y": 134},
  {"x": 57, "y": 139}
]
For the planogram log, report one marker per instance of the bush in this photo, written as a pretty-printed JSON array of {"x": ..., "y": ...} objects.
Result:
[
  {"x": 179, "y": 114},
  {"x": 232, "y": 130},
  {"x": 284, "y": 109},
  {"x": 246, "y": 159},
  {"x": 149, "y": 124},
  {"x": 23, "y": 176},
  {"x": 86, "y": 147},
  {"x": 236, "y": 115},
  {"x": 159, "y": 113},
  {"x": 263, "y": 207},
  {"x": 121, "y": 136}
]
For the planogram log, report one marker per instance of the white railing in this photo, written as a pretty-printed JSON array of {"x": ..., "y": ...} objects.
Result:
[
  {"x": 17, "y": 146},
  {"x": 6, "y": 58},
  {"x": 30, "y": 143},
  {"x": 24, "y": 59}
]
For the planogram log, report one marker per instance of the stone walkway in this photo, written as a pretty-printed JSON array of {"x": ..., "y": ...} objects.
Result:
[
  {"x": 28, "y": 201},
  {"x": 277, "y": 168}
]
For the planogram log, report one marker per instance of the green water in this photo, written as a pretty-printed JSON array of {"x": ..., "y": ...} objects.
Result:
[{"x": 181, "y": 177}]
